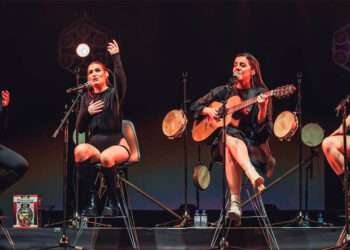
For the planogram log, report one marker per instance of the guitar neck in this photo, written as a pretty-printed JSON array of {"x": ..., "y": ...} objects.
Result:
[{"x": 248, "y": 102}]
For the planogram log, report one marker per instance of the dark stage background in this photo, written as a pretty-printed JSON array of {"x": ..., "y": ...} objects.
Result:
[{"x": 159, "y": 40}]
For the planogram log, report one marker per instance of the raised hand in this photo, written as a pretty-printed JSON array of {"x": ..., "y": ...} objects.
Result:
[{"x": 113, "y": 47}]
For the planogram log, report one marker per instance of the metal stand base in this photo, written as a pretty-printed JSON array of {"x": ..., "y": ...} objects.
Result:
[
  {"x": 7, "y": 235},
  {"x": 342, "y": 242},
  {"x": 264, "y": 222}
]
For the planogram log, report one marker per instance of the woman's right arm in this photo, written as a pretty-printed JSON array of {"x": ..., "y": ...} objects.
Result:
[{"x": 200, "y": 107}]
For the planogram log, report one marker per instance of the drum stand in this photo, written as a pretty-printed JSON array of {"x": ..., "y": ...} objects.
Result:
[
  {"x": 299, "y": 220},
  {"x": 186, "y": 217}
]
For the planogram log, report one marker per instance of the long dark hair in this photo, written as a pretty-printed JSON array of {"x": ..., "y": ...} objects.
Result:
[
  {"x": 254, "y": 64},
  {"x": 257, "y": 79}
]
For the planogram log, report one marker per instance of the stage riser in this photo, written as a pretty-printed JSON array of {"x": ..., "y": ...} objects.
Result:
[{"x": 171, "y": 238}]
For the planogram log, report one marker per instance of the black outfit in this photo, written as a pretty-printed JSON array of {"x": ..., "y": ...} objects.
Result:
[
  {"x": 104, "y": 130},
  {"x": 12, "y": 165},
  {"x": 253, "y": 134},
  {"x": 104, "y": 127}
]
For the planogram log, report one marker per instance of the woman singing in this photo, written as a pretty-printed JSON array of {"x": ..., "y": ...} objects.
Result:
[{"x": 100, "y": 113}]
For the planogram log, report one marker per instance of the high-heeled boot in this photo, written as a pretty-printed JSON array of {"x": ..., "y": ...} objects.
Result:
[
  {"x": 111, "y": 207},
  {"x": 87, "y": 190}
]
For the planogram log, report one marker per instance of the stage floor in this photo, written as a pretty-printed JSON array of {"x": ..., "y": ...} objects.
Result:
[{"x": 158, "y": 238}]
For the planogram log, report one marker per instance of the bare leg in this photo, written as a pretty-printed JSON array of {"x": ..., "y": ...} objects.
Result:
[
  {"x": 233, "y": 175},
  {"x": 84, "y": 152},
  {"x": 115, "y": 155},
  {"x": 333, "y": 149},
  {"x": 239, "y": 152},
  {"x": 234, "y": 181}
]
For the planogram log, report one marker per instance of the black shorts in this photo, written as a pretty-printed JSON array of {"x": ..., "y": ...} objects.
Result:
[{"x": 104, "y": 141}]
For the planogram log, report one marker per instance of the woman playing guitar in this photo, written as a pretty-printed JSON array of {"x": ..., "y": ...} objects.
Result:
[{"x": 247, "y": 129}]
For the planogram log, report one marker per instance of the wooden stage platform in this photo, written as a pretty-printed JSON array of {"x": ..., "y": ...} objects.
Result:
[{"x": 159, "y": 238}]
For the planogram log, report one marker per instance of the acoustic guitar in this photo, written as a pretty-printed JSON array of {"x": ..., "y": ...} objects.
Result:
[{"x": 202, "y": 129}]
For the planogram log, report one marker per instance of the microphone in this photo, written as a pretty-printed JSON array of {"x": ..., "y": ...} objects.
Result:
[
  {"x": 83, "y": 86},
  {"x": 235, "y": 76}
]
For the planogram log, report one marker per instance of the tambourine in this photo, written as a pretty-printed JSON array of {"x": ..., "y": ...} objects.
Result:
[
  {"x": 201, "y": 177},
  {"x": 312, "y": 134},
  {"x": 285, "y": 125},
  {"x": 174, "y": 123}
]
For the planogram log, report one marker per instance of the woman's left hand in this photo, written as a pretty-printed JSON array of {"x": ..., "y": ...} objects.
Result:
[
  {"x": 113, "y": 47},
  {"x": 262, "y": 103},
  {"x": 261, "y": 98}
]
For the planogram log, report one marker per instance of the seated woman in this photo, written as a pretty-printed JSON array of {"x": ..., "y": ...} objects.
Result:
[
  {"x": 252, "y": 131},
  {"x": 101, "y": 114}
]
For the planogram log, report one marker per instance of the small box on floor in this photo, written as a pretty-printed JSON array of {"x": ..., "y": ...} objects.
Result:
[{"x": 26, "y": 210}]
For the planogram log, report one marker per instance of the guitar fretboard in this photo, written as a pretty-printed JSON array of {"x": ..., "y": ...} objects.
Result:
[{"x": 249, "y": 102}]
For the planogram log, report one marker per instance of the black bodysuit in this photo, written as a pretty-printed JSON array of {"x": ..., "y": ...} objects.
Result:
[{"x": 104, "y": 128}]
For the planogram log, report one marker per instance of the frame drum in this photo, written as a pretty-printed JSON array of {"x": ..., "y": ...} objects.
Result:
[
  {"x": 312, "y": 134},
  {"x": 201, "y": 177},
  {"x": 174, "y": 123},
  {"x": 285, "y": 125}
]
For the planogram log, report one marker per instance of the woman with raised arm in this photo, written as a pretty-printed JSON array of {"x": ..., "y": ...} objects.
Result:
[{"x": 101, "y": 114}]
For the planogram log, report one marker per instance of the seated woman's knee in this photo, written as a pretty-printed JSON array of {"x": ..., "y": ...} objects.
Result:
[
  {"x": 107, "y": 160},
  {"x": 328, "y": 144},
  {"x": 80, "y": 152}
]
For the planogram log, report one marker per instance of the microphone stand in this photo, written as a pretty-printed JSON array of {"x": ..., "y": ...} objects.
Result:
[
  {"x": 299, "y": 220},
  {"x": 223, "y": 244},
  {"x": 64, "y": 125},
  {"x": 298, "y": 111},
  {"x": 186, "y": 217},
  {"x": 197, "y": 188}
]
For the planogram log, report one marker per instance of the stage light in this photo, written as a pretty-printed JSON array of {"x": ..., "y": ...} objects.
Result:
[
  {"x": 83, "y": 50},
  {"x": 79, "y": 41}
]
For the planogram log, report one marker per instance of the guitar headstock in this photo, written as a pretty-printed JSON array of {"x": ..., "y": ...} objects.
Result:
[{"x": 284, "y": 91}]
